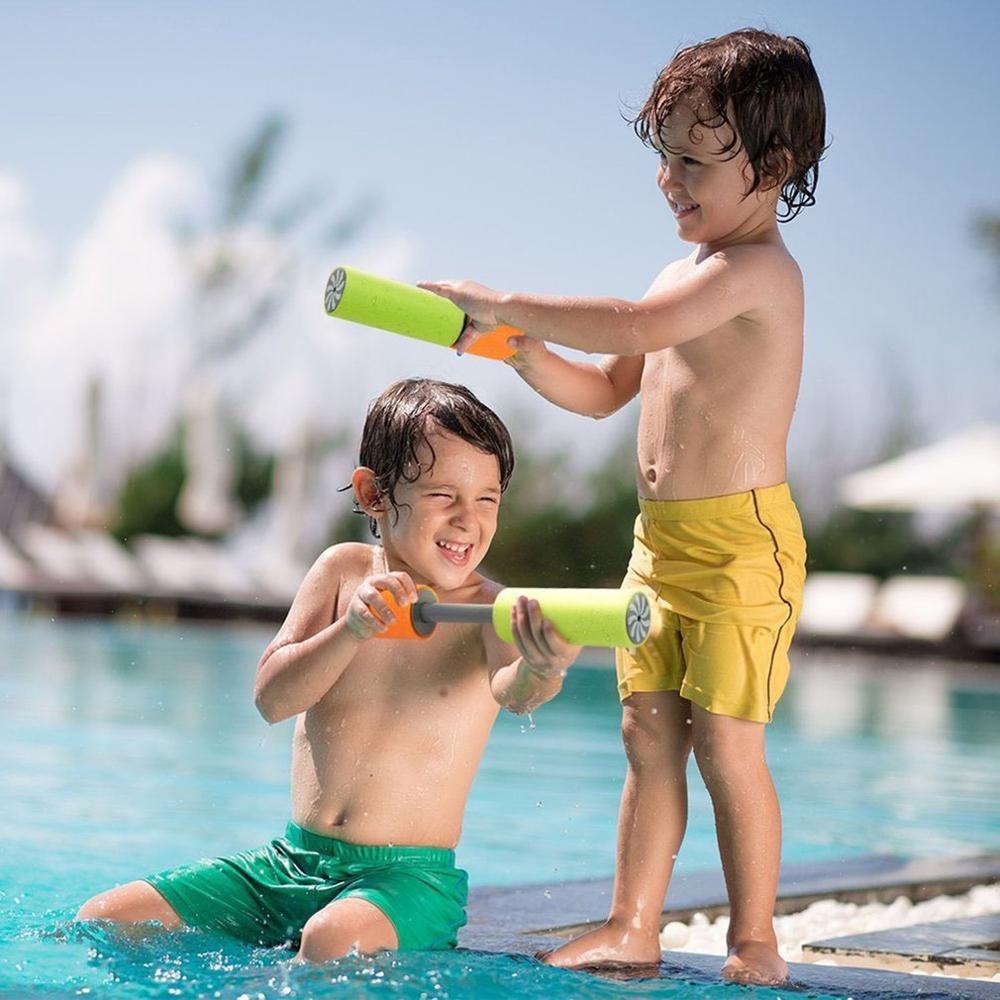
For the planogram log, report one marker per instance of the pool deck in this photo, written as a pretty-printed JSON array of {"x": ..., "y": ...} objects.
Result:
[
  {"x": 525, "y": 919},
  {"x": 967, "y": 946}
]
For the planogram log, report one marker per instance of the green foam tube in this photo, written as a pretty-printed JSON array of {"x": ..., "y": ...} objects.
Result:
[
  {"x": 390, "y": 305},
  {"x": 620, "y": 618}
]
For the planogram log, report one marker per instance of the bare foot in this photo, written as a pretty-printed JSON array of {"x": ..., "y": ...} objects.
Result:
[
  {"x": 755, "y": 962},
  {"x": 609, "y": 944}
]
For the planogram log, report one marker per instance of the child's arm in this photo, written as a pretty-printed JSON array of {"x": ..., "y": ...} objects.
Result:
[
  {"x": 729, "y": 283},
  {"x": 594, "y": 390},
  {"x": 311, "y": 650},
  {"x": 537, "y": 674}
]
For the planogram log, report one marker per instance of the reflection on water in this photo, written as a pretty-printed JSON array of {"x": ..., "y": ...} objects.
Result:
[
  {"x": 130, "y": 748},
  {"x": 837, "y": 693}
]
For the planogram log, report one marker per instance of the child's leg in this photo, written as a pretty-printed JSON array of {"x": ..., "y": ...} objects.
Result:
[
  {"x": 730, "y": 756},
  {"x": 343, "y": 926},
  {"x": 134, "y": 903},
  {"x": 657, "y": 734}
]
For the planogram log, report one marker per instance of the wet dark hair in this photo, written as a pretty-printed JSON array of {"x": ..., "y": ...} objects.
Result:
[
  {"x": 397, "y": 427},
  {"x": 765, "y": 88}
]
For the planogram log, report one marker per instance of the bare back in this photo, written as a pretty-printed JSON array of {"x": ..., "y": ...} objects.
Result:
[
  {"x": 388, "y": 755},
  {"x": 716, "y": 409}
]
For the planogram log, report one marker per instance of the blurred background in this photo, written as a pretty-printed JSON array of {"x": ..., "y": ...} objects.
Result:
[
  {"x": 177, "y": 414},
  {"x": 176, "y": 182}
]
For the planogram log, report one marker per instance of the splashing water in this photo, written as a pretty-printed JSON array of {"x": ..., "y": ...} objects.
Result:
[{"x": 90, "y": 960}]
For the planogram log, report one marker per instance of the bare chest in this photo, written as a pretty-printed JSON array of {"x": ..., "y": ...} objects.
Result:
[
  {"x": 700, "y": 373},
  {"x": 407, "y": 671}
]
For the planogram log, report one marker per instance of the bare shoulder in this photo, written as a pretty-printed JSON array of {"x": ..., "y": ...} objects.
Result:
[
  {"x": 315, "y": 603},
  {"x": 674, "y": 270},
  {"x": 344, "y": 559},
  {"x": 759, "y": 262}
]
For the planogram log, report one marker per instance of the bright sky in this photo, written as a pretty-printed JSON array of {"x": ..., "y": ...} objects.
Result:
[{"x": 491, "y": 136}]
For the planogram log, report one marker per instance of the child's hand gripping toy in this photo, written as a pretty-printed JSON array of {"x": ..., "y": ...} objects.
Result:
[
  {"x": 389, "y": 305},
  {"x": 582, "y": 617}
]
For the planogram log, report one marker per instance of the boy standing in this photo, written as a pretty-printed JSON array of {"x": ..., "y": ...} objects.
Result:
[
  {"x": 714, "y": 349},
  {"x": 389, "y": 734}
]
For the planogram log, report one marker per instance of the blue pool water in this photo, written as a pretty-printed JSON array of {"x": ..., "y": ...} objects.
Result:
[{"x": 129, "y": 748}]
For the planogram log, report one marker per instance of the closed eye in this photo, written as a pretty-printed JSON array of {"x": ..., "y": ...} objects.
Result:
[{"x": 688, "y": 161}]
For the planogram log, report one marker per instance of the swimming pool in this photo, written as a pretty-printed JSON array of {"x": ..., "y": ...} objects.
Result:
[{"x": 128, "y": 748}]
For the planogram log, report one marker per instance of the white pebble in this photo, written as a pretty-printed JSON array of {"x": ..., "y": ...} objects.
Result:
[
  {"x": 826, "y": 918},
  {"x": 675, "y": 935}
]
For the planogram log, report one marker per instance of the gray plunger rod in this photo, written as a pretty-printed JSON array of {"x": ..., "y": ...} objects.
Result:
[{"x": 428, "y": 613}]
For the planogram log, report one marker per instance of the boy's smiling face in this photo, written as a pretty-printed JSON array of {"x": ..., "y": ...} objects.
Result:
[
  {"x": 705, "y": 186},
  {"x": 445, "y": 521}
]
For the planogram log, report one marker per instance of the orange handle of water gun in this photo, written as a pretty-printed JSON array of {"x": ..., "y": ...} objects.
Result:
[
  {"x": 493, "y": 344},
  {"x": 402, "y": 627}
]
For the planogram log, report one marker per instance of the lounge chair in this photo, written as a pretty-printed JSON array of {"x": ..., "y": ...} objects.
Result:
[
  {"x": 837, "y": 604},
  {"x": 920, "y": 607}
]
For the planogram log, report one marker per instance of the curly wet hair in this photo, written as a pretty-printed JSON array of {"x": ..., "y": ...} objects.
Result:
[
  {"x": 400, "y": 419},
  {"x": 765, "y": 88}
]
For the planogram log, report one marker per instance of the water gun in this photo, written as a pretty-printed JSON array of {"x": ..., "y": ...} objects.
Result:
[{"x": 405, "y": 309}]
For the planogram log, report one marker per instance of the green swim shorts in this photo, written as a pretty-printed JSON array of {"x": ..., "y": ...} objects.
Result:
[{"x": 265, "y": 896}]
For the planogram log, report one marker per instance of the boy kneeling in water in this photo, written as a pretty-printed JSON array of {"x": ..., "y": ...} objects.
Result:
[{"x": 389, "y": 734}]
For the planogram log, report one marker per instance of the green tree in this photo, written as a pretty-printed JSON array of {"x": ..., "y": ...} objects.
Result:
[
  {"x": 548, "y": 539},
  {"x": 148, "y": 500},
  {"x": 880, "y": 542}
]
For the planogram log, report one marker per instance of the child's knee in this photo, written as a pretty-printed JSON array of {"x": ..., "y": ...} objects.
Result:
[
  {"x": 323, "y": 939},
  {"x": 719, "y": 754},
  {"x": 96, "y": 908},
  {"x": 351, "y": 925},
  {"x": 113, "y": 904},
  {"x": 136, "y": 902},
  {"x": 718, "y": 735}
]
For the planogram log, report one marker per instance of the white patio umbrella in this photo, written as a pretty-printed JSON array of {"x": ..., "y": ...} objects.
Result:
[{"x": 962, "y": 471}]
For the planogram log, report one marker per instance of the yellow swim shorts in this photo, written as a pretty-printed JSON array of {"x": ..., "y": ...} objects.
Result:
[{"x": 728, "y": 574}]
